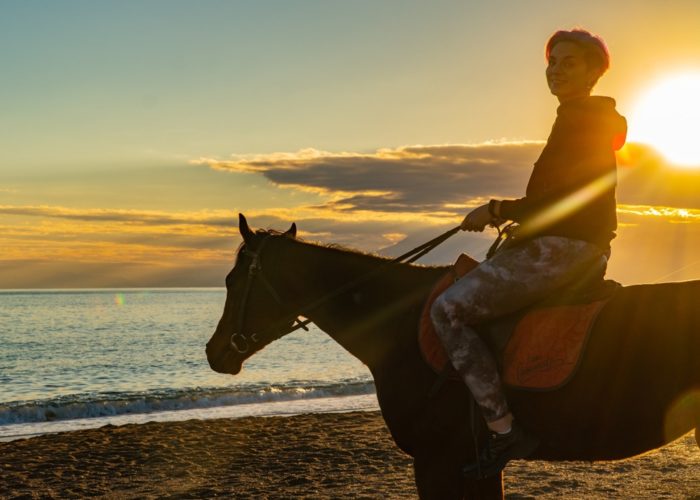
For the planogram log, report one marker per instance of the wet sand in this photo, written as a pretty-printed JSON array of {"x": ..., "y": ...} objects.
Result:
[{"x": 344, "y": 455}]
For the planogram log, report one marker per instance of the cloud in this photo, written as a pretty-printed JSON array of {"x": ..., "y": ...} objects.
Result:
[
  {"x": 408, "y": 179},
  {"x": 134, "y": 217},
  {"x": 67, "y": 227},
  {"x": 627, "y": 213},
  {"x": 445, "y": 180},
  {"x": 390, "y": 200},
  {"x": 419, "y": 191},
  {"x": 111, "y": 236},
  {"x": 72, "y": 273}
]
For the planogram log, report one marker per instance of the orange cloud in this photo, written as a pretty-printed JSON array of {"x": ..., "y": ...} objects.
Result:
[
  {"x": 669, "y": 214},
  {"x": 133, "y": 217}
]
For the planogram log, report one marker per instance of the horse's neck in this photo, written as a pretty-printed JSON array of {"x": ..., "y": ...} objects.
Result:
[{"x": 372, "y": 317}]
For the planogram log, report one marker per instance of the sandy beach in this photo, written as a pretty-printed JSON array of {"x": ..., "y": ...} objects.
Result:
[{"x": 342, "y": 455}]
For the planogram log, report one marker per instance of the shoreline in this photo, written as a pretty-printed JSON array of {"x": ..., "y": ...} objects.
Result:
[
  {"x": 316, "y": 455},
  {"x": 285, "y": 407}
]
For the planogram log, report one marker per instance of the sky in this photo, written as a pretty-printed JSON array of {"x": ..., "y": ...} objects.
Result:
[{"x": 133, "y": 133}]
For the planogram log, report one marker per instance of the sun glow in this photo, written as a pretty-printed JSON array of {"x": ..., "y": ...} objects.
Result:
[{"x": 667, "y": 117}]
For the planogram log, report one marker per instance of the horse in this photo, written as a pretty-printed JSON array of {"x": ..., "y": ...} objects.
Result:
[{"x": 637, "y": 386}]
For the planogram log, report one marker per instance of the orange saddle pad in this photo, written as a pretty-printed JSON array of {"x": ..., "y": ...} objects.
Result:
[{"x": 544, "y": 349}]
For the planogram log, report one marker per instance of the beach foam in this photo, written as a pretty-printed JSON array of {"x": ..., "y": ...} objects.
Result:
[{"x": 72, "y": 413}]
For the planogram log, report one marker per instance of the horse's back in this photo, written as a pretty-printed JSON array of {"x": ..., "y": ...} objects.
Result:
[
  {"x": 664, "y": 315},
  {"x": 640, "y": 359}
]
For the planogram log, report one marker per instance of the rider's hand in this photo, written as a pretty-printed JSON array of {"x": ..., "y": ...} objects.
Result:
[{"x": 478, "y": 219}]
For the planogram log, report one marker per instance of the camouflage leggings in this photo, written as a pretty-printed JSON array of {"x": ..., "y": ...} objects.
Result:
[{"x": 512, "y": 279}]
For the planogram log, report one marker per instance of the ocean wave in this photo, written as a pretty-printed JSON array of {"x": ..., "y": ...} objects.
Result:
[{"x": 121, "y": 403}]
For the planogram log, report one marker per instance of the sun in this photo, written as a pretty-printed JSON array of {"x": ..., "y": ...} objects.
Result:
[{"x": 667, "y": 117}]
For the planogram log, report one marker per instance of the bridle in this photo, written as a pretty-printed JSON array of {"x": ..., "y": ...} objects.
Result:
[{"x": 241, "y": 341}]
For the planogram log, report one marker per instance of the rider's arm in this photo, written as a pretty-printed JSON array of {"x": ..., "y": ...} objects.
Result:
[{"x": 577, "y": 153}]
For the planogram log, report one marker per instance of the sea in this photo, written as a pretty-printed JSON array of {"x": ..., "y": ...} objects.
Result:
[{"x": 78, "y": 359}]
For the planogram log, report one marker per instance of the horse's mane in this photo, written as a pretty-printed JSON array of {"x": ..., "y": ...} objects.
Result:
[{"x": 336, "y": 248}]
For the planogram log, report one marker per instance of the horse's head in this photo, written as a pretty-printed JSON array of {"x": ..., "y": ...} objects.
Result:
[{"x": 254, "y": 314}]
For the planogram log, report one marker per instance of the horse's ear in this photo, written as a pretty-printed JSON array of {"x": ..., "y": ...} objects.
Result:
[
  {"x": 244, "y": 229},
  {"x": 292, "y": 231}
]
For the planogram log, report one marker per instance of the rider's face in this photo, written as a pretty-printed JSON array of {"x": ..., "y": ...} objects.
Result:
[{"x": 568, "y": 74}]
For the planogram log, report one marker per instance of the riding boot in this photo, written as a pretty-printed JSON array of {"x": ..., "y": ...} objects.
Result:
[{"x": 499, "y": 450}]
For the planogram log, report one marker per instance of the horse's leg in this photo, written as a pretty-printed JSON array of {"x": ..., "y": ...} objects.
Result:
[
  {"x": 697, "y": 425},
  {"x": 491, "y": 488},
  {"x": 440, "y": 477}
]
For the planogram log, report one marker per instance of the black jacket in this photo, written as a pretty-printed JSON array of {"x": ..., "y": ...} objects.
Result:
[{"x": 571, "y": 191}]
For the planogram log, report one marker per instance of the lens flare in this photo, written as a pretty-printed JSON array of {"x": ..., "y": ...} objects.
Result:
[
  {"x": 683, "y": 416},
  {"x": 569, "y": 204}
]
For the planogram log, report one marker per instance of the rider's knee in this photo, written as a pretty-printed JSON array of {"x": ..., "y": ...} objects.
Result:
[{"x": 440, "y": 313}]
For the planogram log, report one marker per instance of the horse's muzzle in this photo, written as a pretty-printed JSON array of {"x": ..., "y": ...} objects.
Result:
[{"x": 223, "y": 359}]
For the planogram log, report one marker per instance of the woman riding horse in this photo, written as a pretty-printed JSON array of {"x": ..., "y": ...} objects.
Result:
[{"x": 566, "y": 222}]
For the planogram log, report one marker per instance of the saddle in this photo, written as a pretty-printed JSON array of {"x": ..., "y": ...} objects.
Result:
[{"x": 536, "y": 349}]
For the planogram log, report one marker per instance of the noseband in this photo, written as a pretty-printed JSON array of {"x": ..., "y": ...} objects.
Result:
[{"x": 240, "y": 341}]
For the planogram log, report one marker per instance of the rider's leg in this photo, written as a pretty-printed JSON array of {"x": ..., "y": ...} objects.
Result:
[
  {"x": 511, "y": 280},
  {"x": 473, "y": 361}
]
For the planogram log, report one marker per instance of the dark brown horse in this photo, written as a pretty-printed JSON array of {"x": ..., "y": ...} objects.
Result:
[{"x": 636, "y": 389}]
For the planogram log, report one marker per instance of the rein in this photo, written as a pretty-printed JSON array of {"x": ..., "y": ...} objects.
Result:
[
  {"x": 242, "y": 342},
  {"x": 505, "y": 235}
]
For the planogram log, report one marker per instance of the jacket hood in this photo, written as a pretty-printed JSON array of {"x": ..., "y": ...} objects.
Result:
[{"x": 600, "y": 111}]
